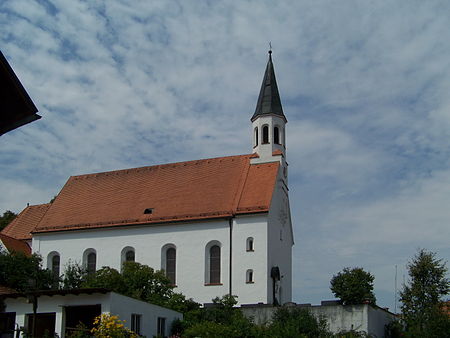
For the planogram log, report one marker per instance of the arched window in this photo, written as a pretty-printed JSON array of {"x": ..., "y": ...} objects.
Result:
[
  {"x": 53, "y": 263},
  {"x": 129, "y": 256},
  {"x": 250, "y": 244},
  {"x": 214, "y": 264},
  {"x": 276, "y": 135},
  {"x": 249, "y": 276},
  {"x": 265, "y": 133},
  {"x": 256, "y": 136},
  {"x": 90, "y": 260},
  {"x": 171, "y": 262}
]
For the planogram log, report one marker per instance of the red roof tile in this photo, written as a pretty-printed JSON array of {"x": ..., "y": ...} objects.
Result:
[
  {"x": 15, "y": 245},
  {"x": 4, "y": 290},
  {"x": 22, "y": 226},
  {"x": 203, "y": 189}
]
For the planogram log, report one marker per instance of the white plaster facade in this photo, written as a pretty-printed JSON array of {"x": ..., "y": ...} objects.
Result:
[
  {"x": 111, "y": 303},
  {"x": 191, "y": 240}
]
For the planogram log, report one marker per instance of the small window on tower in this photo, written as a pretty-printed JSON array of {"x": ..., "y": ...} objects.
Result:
[
  {"x": 148, "y": 211},
  {"x": 249, "y": 276},
  {"x": 256, "y": 136},
  {"x": 265, "y": 135},
  {"x": 250, "y": 244}
]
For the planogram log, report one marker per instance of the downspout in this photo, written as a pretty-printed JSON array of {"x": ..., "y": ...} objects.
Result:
[{"x": 230, "y": 221}]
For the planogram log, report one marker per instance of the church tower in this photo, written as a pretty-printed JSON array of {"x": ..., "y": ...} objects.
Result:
[{"x": 268, "y": 122}]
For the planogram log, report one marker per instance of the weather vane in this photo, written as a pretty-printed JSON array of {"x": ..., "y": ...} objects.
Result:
[{"x": 270, "y": 47}]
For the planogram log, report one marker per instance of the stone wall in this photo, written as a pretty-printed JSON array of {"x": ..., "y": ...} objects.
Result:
[{"x": 368, "y": 318}]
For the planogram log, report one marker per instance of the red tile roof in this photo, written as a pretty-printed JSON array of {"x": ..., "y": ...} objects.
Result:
[
  {"x": 446, "y": 307},
  {"x": 15, "y": 245},
  {"x": 194, "y": 190},
  {"x": 4, "y": 290},
  {"x": 22, "y": 226}
]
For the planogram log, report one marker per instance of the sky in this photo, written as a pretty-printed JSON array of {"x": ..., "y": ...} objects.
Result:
[{"x": 364, "y": 85}]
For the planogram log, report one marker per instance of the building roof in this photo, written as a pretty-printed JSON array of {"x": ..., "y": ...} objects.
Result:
[
  {"x": 22, "y": 226},
  {"x": 4, "y": 290},
  {"x": 185, "y": 191},
  {"x": 15, "y": 245},
  {"x": 10, "y": 293},
  {"x": 269, "y": 102},
  {"x": 16, "y": 107}
]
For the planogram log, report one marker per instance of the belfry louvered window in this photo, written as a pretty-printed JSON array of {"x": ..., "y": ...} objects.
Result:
[
  {"x": 276, "y": 135},
  {"x": 265, "y": 134},
  {"x": 214, "y": 264}
]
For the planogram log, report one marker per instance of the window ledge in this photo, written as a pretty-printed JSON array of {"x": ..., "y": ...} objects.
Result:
[
  {"x": 250, "y": 250},
  {"x": 249, "y": 282},
  {"x": 212, "y": 284}
]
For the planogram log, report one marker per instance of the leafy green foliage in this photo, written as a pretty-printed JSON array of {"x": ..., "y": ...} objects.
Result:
[
  {"x": 135, "y": 280},
  {"x": 394, "y": 329},
  {"x": 222, "y": 319},
  {"x": 421, "y": 297},
  {"x": 219, "y": 320},
  {"x": 352, "y": 334},
  {"x": 25, "y": 273},
  {"x": 353, "y": 286},
  {"x": 7, "y": 218},
  {"x": 74, "y": 276},
  {"x": 297, "y": 322}
]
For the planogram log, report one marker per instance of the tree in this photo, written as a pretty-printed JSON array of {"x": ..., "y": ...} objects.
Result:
[
  {"x": 221, "y": 319},
  {"x": 25, "y": 273},
  {"x": 421, "y": 297},
  {"x": 297, "y": 322},
  {"x": 74, "y": 276},
  {"x": 135, "y": 280},
  {"x": 7, "y": 218},
  {"x": 353, "y": 286}
]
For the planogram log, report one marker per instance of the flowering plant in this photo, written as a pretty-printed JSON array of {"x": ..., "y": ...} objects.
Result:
[{"x": 108, "y": 326}]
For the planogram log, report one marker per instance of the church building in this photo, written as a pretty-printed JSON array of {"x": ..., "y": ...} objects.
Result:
[{"x": 215, "y": 226}]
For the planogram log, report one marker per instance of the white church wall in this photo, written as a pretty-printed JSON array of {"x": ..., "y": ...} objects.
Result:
[
  {"x": 254, "y": 226},
  {"x": 280, "y": 242},
  {"x": 190, "y": 240}
]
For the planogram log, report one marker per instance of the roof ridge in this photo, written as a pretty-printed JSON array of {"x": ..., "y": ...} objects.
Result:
[{"x": 157, "y": 166}]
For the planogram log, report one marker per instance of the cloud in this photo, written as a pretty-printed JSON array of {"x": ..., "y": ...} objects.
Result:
[{"x": 364, "y": 87}]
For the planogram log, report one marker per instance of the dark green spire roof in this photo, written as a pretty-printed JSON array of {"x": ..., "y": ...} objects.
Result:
[{"x": 269, "y": 99}]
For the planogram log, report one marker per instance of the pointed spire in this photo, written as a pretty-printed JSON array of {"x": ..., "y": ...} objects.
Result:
[{"x": 269, "y": 99}]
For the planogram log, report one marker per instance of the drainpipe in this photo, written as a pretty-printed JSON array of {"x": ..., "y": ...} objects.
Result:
[{"x": 230, "y": 221}]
